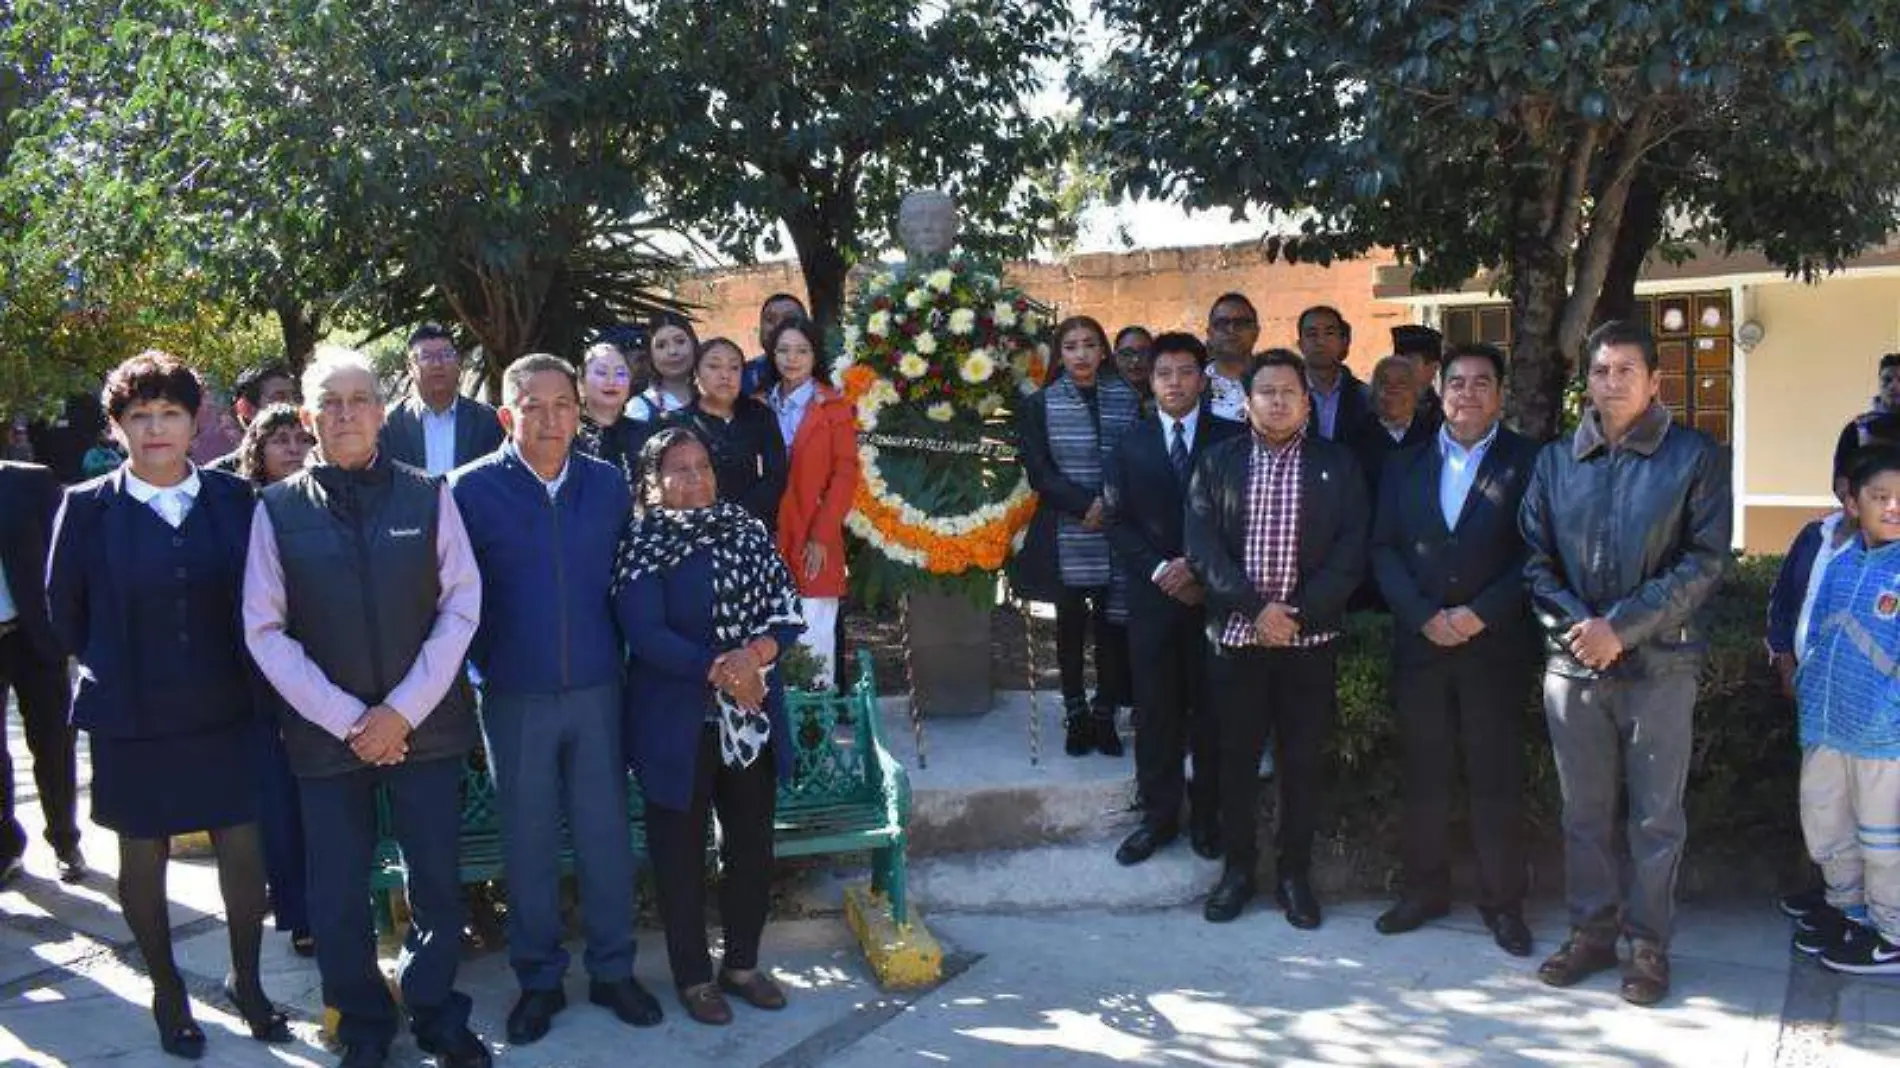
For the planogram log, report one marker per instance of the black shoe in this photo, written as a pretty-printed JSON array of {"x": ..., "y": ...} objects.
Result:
[
  {"x": 1821, "y": 930},
  {"x": 364, "y": 1055},
  {"x": 1864, "y": 951},
  {"x": 459, "y": 1050},
  {"x": 1142, "y": 844},
  {"x": 1295, "y": 895},
  {"x": 72, "y": 864},
  {"x": 1507, "y": 926},
  {"x": 1409, "y": 915},
  {"x": 1230, "y": 896},
  {"x": 303, "y": 943},
  {"x": 1108, "y": 741},
  {"x": 265, "y": 1022},
  {"x": 1080, "y": 736},
  {"x": 533, "y": 1014},
  {"x": 1801, "y": 905},
  {"x": 628, "y": 1000},
  {"x": 178, "y": 1034},
  {"x": 10, "y": 872},
  {"x": 1206, "y": 842}
]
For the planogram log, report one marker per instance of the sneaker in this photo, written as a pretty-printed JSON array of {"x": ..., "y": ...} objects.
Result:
[
  {"x": 1818, "y": 931},
  {"x": 1801, "y": 905},
  {"x": 1864, "y": 951}
]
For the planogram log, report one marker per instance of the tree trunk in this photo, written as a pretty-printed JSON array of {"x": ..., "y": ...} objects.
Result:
[
  {"x": 301, "y": 325},
  {"x": 1543, "y": 212},
  {"x": 824, "y": 266},
  {"x": 1640, "y": 230}
]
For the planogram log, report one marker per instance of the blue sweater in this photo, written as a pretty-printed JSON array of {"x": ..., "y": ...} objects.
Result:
[
  {"x": 547, "y": 568},
  {"x": 668, "y": 621},
  {"x": 1847, "y": 687}
]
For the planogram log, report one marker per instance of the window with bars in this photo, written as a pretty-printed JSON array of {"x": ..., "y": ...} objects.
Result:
[{"x": 1694, "y": 343}]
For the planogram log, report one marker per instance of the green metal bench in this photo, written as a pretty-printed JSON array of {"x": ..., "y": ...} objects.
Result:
[{"x": 847, "y": 795}]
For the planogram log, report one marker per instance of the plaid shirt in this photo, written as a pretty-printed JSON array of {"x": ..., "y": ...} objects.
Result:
[{"x": 1272, "y": 545}]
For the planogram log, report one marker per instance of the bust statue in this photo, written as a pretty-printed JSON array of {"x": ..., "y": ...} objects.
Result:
[{"x": 927, "y": 226}]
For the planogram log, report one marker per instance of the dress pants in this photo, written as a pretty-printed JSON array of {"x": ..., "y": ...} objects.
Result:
[
  {"x": 1464, "y": 706},
  {"x": 1615, "y": 735},
  {"x": 558, "y": 756},
  {"x": 1082, "y": 612},
  {"x": 280, "y": 823},
  {"x": 1169, "y": 663},
  {"x": 340, "y": 823},
  {"x": 1289, "y": 693},
  {"x": 744, "y": 799},
  {"x": 44, "y": 700}
]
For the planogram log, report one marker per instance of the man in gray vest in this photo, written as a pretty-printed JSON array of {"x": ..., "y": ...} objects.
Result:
[{"x": 360, "y": 598}]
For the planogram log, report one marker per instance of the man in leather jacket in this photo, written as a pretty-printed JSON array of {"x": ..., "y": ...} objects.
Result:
[{"x": 1628, "y": 525}]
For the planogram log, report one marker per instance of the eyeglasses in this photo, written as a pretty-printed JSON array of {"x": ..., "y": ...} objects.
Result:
[
  {"x": 439, "y": 356},
  {"x": 1130, "y": 354}
]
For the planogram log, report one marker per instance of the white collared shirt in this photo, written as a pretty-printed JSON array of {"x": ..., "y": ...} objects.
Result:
[
  {"x": 553, "y": 487},
  {"x": 1459, "y": 472},
  {"x": 172, "y": 503},
  {"x": 9, "y": 609},
  {"x": 438, "y": 438},
  {"x": 1189, "y": 423},
  {"x": 791, "y": 409}
]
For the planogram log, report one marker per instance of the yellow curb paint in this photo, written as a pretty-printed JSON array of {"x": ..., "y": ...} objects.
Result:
[
  {"x": 195, "y": 844},
  {"x": 902, "y": 958}
]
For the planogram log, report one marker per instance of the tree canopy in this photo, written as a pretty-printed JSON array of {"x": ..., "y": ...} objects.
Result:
[{"x": 1511, "y": 134}]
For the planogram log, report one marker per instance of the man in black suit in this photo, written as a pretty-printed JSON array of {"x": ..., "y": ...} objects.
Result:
[
  {"x": 1147, "y": 482},
  {"x": 1339, "y": 400},
  {"x": 438, "y": 430},
  {"x": 32, "y": 664},
  {"x": 1276, "y": 533},
  {"x": 1450, "y": 561}
]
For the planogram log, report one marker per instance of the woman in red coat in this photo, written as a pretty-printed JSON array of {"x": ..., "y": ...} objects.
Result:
[{"x": 820, "y": 432}]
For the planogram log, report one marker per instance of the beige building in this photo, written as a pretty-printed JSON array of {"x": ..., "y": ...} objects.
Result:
[{"x": 1767, "y": 364}]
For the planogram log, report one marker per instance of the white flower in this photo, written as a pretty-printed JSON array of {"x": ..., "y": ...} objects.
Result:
[
  {"x": 878, "y": 326},
  {"x": 940, "y": 280},
  {"x": 962, "y": 321},
  {"x": 915, "y": 299},
  {"x": 926, "y": 344},
  {"x": 977, "y": 367},
  {"x": 1031, "y": 322},
  {"x": 884, "y": 281},
  {"x": 989, "y": 405},
  {"x": 1004, "y": 313},
  {"x": 913, "y": 365},
  {"x": 941, "y": 411}
]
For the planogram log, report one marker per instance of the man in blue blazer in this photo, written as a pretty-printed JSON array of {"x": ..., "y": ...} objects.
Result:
[
  {"x": 1146, "y": 484},
  {"x": 437, "y": 429},
  {"x": 1449, "y": 561}
]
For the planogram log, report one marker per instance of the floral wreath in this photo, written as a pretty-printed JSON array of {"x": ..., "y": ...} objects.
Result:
[{"x": 931, "y": 363}]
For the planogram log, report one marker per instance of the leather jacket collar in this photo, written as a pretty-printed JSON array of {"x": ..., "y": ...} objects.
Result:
[{"x": 1643, "y": 438}]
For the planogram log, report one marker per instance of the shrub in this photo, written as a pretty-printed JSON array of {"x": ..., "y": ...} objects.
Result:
[{"x": 1741, "y": 783}]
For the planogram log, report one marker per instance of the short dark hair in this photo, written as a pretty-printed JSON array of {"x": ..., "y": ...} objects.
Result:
[
  {"x": 707, "y": 346},
  {"x": 624, "y": 336},
  {"x": 1180, "y": 341},
  {"x": 820, "y": 359},
  {"x": 251, "y": 450},
  {"x": 1473, "y": 350},
  {"x": 152, "y": 375},
  {"x": 1272, "y": 358},
  {"x": 1345, "y": 328},
  {"x": 1621, "y": 332},
  {"x": 777, "y": 297},
  {"x": 653, "y": 455},
  {"x": 1871, "y": 462},
  {"x": 515, "y": 378},
  {"x": 1891, "y": 359},
  {"x": 1132, "y": 329},
  {"x": 1870, "y": 432},
  {"x": 1233, "y": 297},
  {"x": 250, "y": 382},
  {"x": 428, "y": 332}
]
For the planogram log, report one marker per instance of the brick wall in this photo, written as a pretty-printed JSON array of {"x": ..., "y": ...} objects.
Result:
[{"x": 1162, "y": 289}]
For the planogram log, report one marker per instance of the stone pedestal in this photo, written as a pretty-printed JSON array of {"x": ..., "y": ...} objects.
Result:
[{"x": 949, "y": 654}]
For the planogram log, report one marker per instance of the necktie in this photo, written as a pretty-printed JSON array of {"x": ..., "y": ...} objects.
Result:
[{"x": 1178, "y": 453}]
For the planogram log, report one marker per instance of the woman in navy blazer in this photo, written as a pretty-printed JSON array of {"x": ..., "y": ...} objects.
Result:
[
  {"x": 143, "y": 589},
  {"x": 706, "y": 604}
]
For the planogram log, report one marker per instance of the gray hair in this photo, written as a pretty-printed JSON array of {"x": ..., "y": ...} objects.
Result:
[
  {"x": 1394, "y": 363},
  {"x": 329, "y": 361},
  {"x": 514, "y": 381}
]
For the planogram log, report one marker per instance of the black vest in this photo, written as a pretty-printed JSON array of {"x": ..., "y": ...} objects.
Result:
[{"x": 360, "y": 588}]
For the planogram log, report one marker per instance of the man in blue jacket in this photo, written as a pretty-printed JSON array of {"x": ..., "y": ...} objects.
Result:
[{"x": 544, "y": 522}]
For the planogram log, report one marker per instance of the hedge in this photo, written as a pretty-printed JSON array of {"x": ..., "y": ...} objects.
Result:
[{"x": 1742, "y": 781}]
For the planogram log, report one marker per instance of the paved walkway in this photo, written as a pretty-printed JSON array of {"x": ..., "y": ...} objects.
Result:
[{"x": 1030, "y": 987}]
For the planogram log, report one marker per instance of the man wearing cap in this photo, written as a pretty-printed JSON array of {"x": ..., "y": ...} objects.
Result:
[{"x": 1424, "y": 347}]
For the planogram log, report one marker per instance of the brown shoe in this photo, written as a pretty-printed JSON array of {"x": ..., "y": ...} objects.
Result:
[
  {"x": 1646, "y": 976},
  {"x": 756, "y": 990},
  {"x": 705, "y": 1004},
  {"x": 1581, "y": 956}
]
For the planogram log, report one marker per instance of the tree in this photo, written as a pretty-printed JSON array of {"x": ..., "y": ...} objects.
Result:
[
  {"x": 1553, "y": 141},
  {"x": 383, "y": 161},
  {"x": 821, "y": 115}
]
